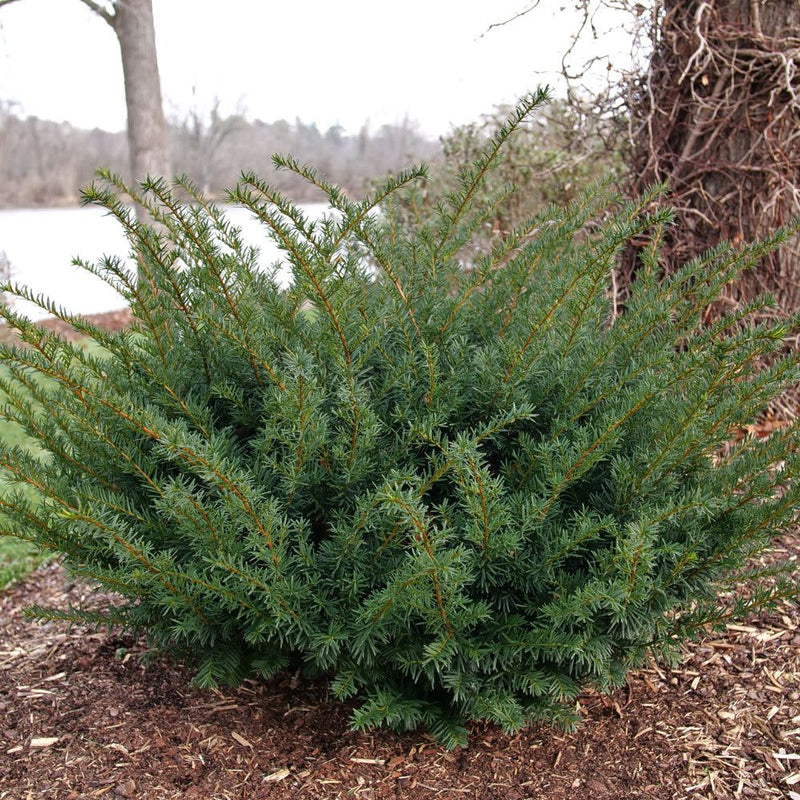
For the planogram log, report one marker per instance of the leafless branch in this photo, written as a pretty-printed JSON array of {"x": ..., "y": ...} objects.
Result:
[
  {"x": 101, "y": 11},
  {"x": 516, "y": 16}
]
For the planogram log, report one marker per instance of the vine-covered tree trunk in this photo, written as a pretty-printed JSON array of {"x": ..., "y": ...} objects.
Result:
[
  {"x": 147, "y": 130},
  {"x": 718, "y": 119}
]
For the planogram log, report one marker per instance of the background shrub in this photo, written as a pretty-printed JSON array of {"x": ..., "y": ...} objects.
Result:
[{"x": 457, "y": 489}]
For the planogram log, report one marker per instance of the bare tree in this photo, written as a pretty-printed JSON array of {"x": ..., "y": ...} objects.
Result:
[
  {"x": 198, "y": 140},
  {"x": 132, "y": 22}
]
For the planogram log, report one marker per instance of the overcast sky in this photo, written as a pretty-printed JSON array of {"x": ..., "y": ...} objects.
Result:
[{"x": 346, "y": 62}]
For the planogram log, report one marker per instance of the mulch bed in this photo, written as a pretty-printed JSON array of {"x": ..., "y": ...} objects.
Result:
[
  {"x": 83, "y": 716},
  {"x": 106, "y": 320}
]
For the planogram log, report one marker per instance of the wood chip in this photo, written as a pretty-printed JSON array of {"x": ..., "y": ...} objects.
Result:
[
  {"x": 45, "y": 741},
  {"x": 278, "y": 775},
  {"x": 239, "y": 738},
  {"x": 368, "y": 760},
  {"x": 743, "y": 628}
]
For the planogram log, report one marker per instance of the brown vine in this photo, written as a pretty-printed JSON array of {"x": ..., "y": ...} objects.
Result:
[{"x": 717, "y": 118}]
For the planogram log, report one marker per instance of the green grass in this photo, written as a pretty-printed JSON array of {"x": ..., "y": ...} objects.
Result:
[{"x": 19, "y": 558}]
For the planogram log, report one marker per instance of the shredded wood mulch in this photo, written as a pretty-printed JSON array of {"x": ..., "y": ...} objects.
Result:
[{"x": 82, "y": 715}]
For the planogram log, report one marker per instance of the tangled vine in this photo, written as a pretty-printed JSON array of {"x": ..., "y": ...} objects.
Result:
[{"x": 717, "y": 117}]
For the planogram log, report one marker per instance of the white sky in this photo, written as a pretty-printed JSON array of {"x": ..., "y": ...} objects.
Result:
[{"x": 346, "y": 62}]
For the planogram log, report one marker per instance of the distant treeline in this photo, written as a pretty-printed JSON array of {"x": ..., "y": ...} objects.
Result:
[{"x": 47, "y": 163}]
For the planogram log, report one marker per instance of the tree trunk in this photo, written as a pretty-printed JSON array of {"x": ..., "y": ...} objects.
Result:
[
  {"x": 718, "y": 119},
  {"x": 147, "y": 130}
]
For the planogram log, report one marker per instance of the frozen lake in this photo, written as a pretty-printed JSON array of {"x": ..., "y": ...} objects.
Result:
[{"x": 41, "y": 243}]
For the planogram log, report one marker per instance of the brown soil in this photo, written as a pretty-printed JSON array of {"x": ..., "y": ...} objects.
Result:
[{"x": 82, "y": 716}]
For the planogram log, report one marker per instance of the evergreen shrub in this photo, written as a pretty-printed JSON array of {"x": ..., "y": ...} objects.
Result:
[{"x": 460, "y": 490}]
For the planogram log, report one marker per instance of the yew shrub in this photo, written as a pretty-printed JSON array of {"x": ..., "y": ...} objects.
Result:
[{"x": 461, "y": 490}]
